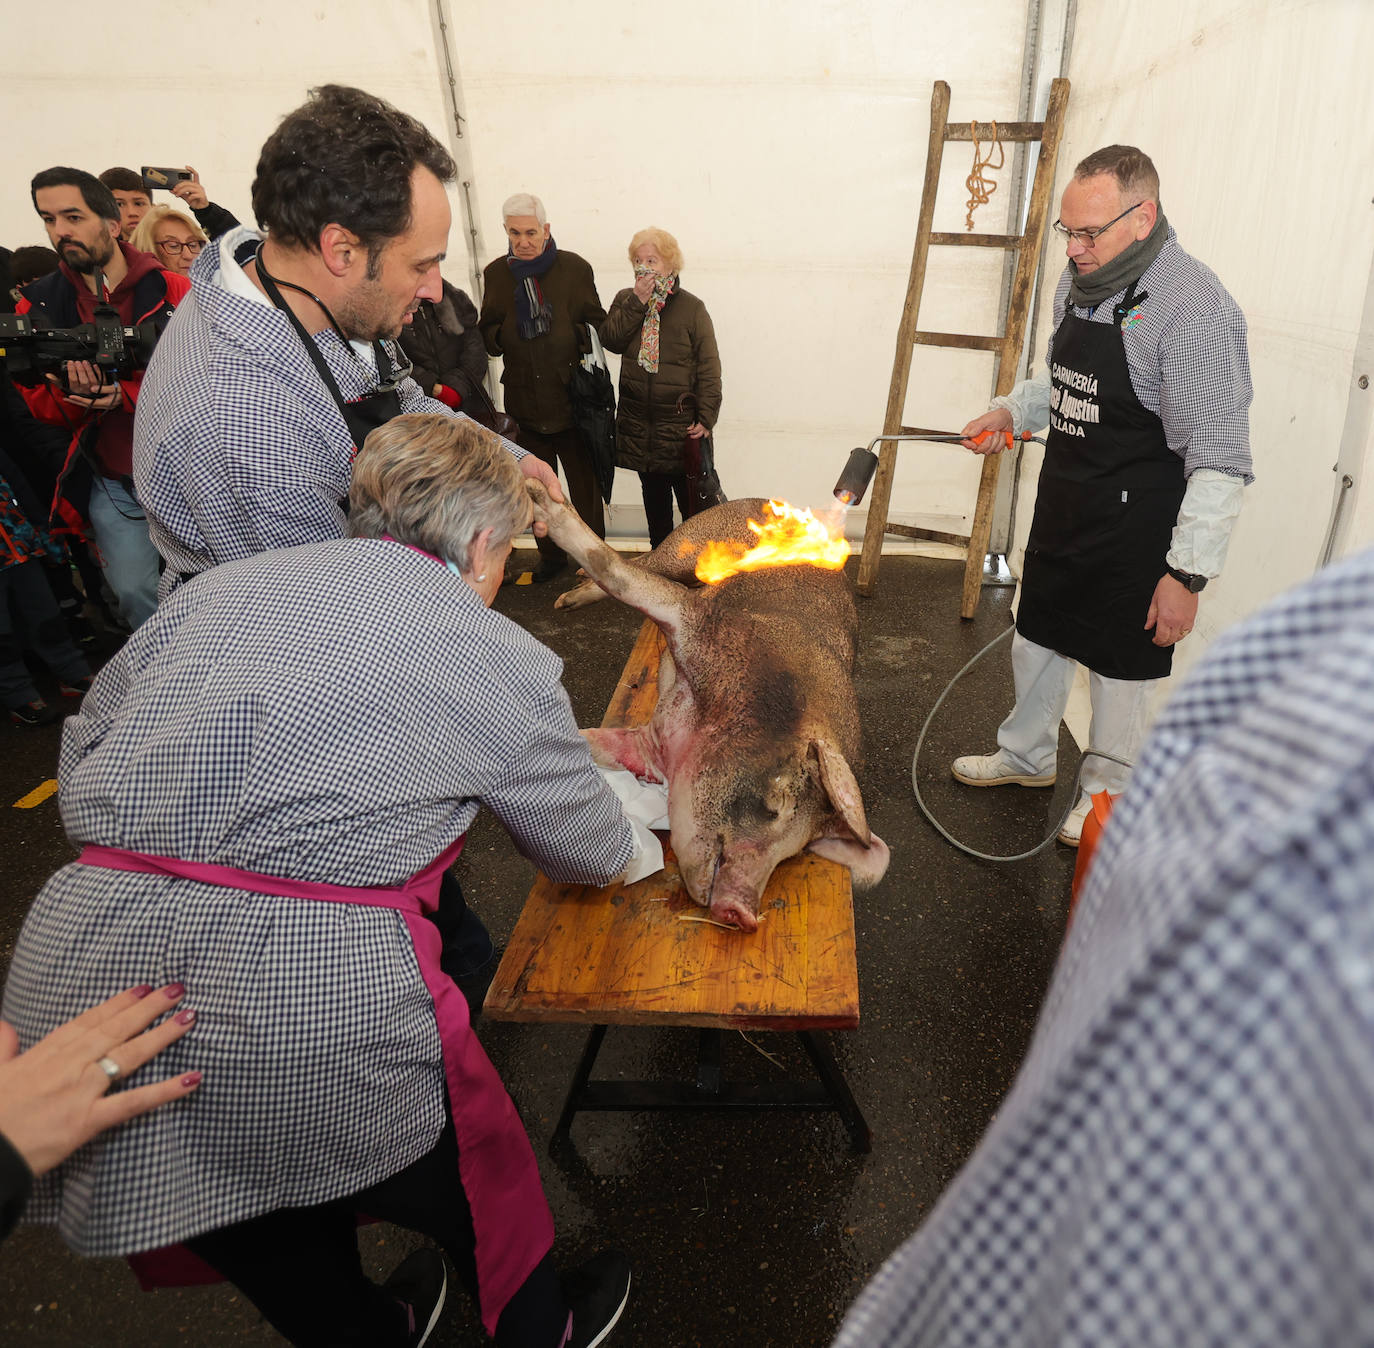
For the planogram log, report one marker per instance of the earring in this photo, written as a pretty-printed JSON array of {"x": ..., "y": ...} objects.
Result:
[{"x": 482, "y": 577}]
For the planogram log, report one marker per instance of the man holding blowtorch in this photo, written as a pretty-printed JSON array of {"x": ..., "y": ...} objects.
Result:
[{"x": 1146, "y": 393}]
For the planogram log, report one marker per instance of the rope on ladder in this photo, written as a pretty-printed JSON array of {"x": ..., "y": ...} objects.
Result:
[{"x": 980, "y": 186}]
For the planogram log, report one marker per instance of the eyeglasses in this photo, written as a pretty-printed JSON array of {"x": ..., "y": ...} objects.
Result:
[
  {"x": 192, "y": 246},
  {"x": 1088, "y": 237}
]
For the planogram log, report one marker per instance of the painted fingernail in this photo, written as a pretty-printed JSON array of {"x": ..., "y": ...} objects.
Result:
[
  {"x": 187, "y": 1017},
  {"x": 191, "y": 1079},
  {"x": 142, "y": 990},
  {"x": 175, "y": 990}
]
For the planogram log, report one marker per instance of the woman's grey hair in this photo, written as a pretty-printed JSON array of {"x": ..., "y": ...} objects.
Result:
[
  {"x": 523, "y": 204},
  {"x": 435, "y": 482}
]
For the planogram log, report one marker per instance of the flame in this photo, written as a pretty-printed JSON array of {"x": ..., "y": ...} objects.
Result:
[{"x": 788, "y": 538}]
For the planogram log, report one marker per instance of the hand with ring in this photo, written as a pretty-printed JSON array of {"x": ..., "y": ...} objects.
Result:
[{"x": 53, "y": 1099}]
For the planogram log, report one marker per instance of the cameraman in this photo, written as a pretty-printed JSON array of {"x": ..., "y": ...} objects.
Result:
[{"x": 96, "y": 268}]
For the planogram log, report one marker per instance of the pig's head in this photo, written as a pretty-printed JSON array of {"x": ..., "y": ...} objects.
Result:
[{"x": 748, "y": 808}]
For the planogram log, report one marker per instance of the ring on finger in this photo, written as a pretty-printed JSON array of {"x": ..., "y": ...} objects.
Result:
[{"x": 108, "y": 1065}]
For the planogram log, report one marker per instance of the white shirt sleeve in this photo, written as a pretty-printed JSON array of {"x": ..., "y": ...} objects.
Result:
[
  {"x": 1028, "y": 403},
  {"x": 1211, "y": 506}
]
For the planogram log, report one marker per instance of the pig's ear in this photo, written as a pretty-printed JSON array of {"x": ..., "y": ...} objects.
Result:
[{"x": 838, "y": 780}]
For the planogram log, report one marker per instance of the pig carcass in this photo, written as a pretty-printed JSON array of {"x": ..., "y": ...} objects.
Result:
[{"x": 756, "y": 725}]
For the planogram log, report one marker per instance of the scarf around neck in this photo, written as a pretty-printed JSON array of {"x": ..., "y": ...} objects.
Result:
[
  {"x": 533, "y": 313},
  {"x": 648, "y": 336},
  {"x": 1127, "y": 266}
]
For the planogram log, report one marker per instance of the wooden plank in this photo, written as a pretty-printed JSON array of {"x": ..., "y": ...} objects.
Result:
[
  {"x": 1005, "y": 131},
  {"x": 977, "y": 240},
  {"x": 927, "y": 535},
  {"x": 619, "y": 955},
  {"x": 965, "y": 341},
  {"x": 881, "y": 493},
  {"x": 1018, "y": 310}
]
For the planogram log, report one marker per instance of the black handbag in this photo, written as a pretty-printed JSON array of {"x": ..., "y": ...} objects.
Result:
[
  {"x": 593, "y": 408},
  {"x": 478, "y": 405},
  {"x": 699, "y": 464}
]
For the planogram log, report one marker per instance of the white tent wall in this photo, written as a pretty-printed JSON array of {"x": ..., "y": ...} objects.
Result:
[
  {"x": 171, "y": 82},
  {"x": 782, "y": 143}
]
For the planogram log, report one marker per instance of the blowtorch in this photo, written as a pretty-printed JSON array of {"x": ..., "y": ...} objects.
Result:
[{"x": 863, "y": 463}]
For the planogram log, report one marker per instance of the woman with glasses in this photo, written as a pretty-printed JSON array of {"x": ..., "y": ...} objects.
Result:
[{"x": 171, "y": 237}]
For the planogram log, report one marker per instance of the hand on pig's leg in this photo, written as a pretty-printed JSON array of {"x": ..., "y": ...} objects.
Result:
[{"x": 656, "y": 598}]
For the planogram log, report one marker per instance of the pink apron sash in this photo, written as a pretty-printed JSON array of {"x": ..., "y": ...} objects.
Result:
[{"x": 510, "y": 1215}]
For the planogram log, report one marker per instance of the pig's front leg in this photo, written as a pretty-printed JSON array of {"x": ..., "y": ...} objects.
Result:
[
  {"x": 656, "y": 598},
  {"x": 633, "y": 749}
]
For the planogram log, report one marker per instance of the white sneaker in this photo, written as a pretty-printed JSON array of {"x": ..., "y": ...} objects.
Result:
[
  {"x": 994, "y": 770},
  {"x": 1072, "y": 831}
]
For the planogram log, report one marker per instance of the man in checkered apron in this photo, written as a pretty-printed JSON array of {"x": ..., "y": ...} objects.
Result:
[
  {"x": 1146, "y": 392},
  {"x": 286, "y": 358},
  {"x": 1186, "y": 1158}
]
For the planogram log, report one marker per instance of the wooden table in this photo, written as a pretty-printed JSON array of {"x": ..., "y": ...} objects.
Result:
[{"x": 621, "y": 955}]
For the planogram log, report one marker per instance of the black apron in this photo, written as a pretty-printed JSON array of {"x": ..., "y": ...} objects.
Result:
[{"x": 1108, "y": 500}]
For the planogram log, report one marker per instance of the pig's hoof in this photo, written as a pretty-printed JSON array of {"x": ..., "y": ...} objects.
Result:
[{"x": 580, "y": 595}]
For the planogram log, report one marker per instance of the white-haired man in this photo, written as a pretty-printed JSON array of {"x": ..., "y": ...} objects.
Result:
[
  {"x": 1146, "y": 391},
  {"x": 537, "y": 302}
]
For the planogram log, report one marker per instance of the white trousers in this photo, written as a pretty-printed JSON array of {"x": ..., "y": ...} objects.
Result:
[{"x": 1029, "y": 737}]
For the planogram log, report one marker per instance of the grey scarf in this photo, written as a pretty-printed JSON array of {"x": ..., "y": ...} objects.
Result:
[{"x": 1127, "y": 266}]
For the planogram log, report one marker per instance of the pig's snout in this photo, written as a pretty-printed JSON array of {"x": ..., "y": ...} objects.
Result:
[{"x": 733, "y": 913}]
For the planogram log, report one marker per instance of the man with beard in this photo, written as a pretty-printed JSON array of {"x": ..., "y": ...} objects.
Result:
[
  {"x": 284, "y": 357},
  {"x": 97, "y": 268},
  {"x": 285, "y": 354}
]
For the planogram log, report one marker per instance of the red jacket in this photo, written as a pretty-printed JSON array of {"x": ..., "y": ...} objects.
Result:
[{"x": 145, "y": 292}]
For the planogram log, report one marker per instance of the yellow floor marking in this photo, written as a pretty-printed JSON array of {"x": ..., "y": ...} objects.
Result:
[
  {"x": 525, "y": 578},
  {"x": 37, "y": 796}
]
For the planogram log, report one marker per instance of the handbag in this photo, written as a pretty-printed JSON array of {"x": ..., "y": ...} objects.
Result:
[
  {"x": 699, "y": 463},
  {"x": 479, "y": 406},
  {"x": 593, "y": 408}
]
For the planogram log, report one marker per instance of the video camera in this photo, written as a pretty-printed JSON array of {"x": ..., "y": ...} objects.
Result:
[{"x": 29, "y": 349}]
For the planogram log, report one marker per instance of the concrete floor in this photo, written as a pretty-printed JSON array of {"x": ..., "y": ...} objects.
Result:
[{"x": 744, "y": 1230}]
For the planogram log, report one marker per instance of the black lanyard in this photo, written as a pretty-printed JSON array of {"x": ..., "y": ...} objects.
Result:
[{"x": 366, "y": 412}]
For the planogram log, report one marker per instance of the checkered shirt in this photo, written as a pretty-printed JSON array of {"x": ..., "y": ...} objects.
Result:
[
  {"x": 334, "y": 712},
  {"x": 1187, "y": 1156},
  {"x": 1187, "y": 358},
  {"x": 238, "y": 445}
]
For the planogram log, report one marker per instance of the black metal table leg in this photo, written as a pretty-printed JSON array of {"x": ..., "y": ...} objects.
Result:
[
  {"x": 860, "y": 1134},
  {"x": 579, "y": 1085}
]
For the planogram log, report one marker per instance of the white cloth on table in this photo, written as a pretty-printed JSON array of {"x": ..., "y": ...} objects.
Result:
[{"x": 646, "y": 807}]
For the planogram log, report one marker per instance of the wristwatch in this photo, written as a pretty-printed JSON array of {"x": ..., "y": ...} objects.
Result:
[{"x": 1190, "y": 582}]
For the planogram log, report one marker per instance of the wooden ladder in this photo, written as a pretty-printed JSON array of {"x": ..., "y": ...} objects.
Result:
[{"x": 1007, "y": 347}]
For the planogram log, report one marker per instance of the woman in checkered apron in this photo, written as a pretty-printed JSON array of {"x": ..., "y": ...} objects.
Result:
[{"x": 267, "y": 783}]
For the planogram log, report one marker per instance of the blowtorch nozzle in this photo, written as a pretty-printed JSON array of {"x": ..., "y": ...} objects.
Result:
[{"x": 858, "y": 473}]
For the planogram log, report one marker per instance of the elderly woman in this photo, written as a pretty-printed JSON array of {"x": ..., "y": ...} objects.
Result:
[
  {"x": 669, "y": 378},
  {"x": 267, "y": 783},
  {"x": 171, "y": 237}
]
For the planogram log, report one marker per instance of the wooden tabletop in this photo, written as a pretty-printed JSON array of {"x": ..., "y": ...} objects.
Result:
[{"x": 623, "y": 955}]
